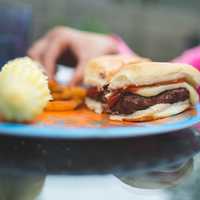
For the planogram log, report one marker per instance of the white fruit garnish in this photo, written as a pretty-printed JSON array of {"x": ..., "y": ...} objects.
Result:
[{"x": 24, "y": 90}]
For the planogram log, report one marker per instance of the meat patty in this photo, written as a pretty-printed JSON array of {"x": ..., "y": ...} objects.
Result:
[
  {"x": 126, "y": 102},
  {"x": 129, "y": 103}
]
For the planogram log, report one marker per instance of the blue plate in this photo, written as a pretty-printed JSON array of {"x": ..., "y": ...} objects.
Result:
[{"x": 139, "y": 129}]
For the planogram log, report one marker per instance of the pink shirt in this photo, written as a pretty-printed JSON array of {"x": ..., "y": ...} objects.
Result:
[{"x": 191, "y": 56}]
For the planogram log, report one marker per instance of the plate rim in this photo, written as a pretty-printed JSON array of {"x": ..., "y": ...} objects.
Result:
[{"x": 35, "y": 131}]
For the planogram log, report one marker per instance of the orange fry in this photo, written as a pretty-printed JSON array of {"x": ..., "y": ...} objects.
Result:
[
  {"x": 62, "y": 93},
  {"x": 78, "y": 92},
  {"x": 63, "y": 105},
  {"x": 57, "y": 96},
  {"x": 55, "y": 87},
  {"x": 73, "y": 92}
]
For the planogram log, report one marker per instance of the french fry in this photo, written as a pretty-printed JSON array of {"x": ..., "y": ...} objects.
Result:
[
  {"x": 66, "y": 93},
  {"x": 57, "y": 96},
  {"x": 55, "y": 87},
  {"x": 63, "y": 105},
  {"x": 78, "y": 92},
  {"x": 64, "y": 98},
  {"x": 52, "y": 84},
  {"x": 73, "y": 92}
]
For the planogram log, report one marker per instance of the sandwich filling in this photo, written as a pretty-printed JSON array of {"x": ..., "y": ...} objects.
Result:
[
  {"x": 128, "y": 100},
  {"x": 128, "y": 103}
]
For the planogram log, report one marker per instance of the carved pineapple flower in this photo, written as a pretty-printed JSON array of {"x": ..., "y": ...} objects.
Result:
[{"x": 24, "y": 90}]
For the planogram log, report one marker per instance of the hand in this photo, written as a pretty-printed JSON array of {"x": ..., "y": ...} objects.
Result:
[{"x": 84, "y": 45}]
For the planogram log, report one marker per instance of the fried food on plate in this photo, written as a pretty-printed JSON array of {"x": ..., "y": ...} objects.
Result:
[
  {"x": 62, "y": 92},
  {"x": 64, "y": 97},
  {"x": 63, "y": 105},
  {"x": 74, "y": 92},
  {"x": 24, "y": 90},
  {"x": 55, "y": 87}
]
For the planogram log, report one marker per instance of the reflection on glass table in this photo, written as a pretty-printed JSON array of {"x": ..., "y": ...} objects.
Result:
[
  {"x": 162, "y": 178},
  {"x": 154, "y": 167}
]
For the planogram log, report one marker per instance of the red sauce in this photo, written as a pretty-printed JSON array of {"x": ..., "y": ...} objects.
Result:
[{"x": 113, "y": 98}]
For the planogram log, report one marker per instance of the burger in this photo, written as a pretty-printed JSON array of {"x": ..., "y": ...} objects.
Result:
[{"x": 141, "y": 91}]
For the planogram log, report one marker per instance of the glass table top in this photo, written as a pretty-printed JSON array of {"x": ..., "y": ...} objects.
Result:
[{"x": 152, "y": 167}]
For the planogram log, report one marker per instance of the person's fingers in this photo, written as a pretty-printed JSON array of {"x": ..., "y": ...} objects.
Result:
[
  {"x": 78, "y": 75},
  {"x": 37, "y": 51},
  {"x": 110, "y": 44},
  {"x": 53, "y": 51}
]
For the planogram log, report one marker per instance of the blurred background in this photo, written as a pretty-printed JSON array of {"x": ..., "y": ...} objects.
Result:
[{"x": 159, "y": 29}]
